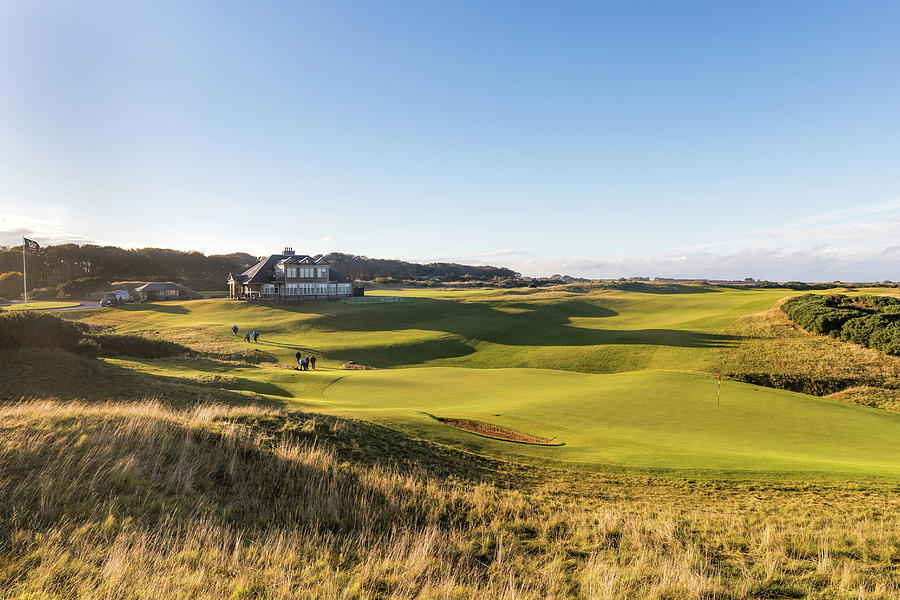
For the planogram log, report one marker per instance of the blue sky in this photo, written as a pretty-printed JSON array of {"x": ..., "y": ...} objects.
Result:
[{"x": 681, "y": 139}]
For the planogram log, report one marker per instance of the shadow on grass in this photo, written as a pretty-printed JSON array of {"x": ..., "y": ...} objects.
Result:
[
  {"x": 662, "y": 288},
  {"x": 174, "y": 309},
  {"x": 406, "y": 354},
  {"x": 541, "y": 324},
  {"x": 464, "y": 325},
  {"x": 303, "y": 349}
]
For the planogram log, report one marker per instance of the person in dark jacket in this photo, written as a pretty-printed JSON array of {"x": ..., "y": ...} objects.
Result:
[
  {"x": 234, "y": 329},
  {"x": 306, "y": 360},
  {"x": 256, "y": 336},
  {"x": 247, "y": 337},
  {"x": 312, "y": 361},
  {"x": 299, "y": 358}
]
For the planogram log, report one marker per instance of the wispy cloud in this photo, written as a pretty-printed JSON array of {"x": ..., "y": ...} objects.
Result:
[
  {"x": 45, "y": 231},
  {"x": 327, "y": 238},
  {"x": 478, "y": 258},
  {"x": 854, "y": 212},
  {"x": 855, "y": 244},
  {"x": 817, "y": 263},
  {"x": 846, "y": 227}
]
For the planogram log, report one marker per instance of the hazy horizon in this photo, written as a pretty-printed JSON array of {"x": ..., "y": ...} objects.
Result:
[{"x": 693, "y": 139}]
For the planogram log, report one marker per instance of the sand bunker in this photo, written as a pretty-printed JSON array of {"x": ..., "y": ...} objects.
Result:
[{"x": 497, "y": 432}]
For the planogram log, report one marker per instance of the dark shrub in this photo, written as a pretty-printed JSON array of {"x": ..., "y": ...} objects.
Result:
[
  {"x": 30, "y": 329},
  {"x": 44, "y": 293},
  {"x": 81, "y": 288},
  {"x": 24, "y": 329},
  {"x": 872, "y": 321},
  {"x": 111, "y": 344},
  {"x": 11, "y": 284}
]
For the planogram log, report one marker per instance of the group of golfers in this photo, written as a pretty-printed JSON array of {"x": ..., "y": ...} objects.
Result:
[
  {"x": 249, "y": 334},
  {"x": 303, "y": 363}
]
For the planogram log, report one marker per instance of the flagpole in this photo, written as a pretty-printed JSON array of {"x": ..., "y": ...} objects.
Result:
[
  {"x": 24, "y": 271},
  {"x": 718, "y": 389}
]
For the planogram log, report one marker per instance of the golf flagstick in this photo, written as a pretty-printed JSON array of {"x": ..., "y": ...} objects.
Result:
[
  {"x": 27, "y": 245},
  {"x": 718, "y": 389}
]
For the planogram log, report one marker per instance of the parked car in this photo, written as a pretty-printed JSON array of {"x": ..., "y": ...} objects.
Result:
[{"x": 116, "y": 297}]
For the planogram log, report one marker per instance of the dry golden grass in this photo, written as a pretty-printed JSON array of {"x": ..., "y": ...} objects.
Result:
[
  {"x": 141, "y": 501},
  {"x": 887, "y": 399},
  {"x": 778, "y": 353}
]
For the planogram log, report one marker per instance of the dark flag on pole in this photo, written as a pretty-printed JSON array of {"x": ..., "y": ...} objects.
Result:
[{"x": 31, "y": 244}]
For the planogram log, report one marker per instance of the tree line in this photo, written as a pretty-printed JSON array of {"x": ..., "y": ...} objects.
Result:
[
  {"x": 74, "y": 267},
  {"x": 55, "y": 265},
  {"x": 363, "y": 267},
  {"x": 871, "y": 321}
]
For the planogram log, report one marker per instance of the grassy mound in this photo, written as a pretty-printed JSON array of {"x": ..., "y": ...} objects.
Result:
[
  {"x": 35, "y": 330},
  {"x": 776, "y": 352},
  {"x": 52, "y": 373},
  {"x": 109, "y": 500}
]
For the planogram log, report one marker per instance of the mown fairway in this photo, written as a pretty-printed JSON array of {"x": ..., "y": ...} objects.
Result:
[
  {"x": 621, "y": 378},
  {"x": 39, "y": 305}
]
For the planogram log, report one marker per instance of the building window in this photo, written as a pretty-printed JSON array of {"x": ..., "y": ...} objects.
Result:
[{"x": 323, "y": 271}]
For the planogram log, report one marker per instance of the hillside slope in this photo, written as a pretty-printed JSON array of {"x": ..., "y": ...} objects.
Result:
[{"x": 136, "y": 500}]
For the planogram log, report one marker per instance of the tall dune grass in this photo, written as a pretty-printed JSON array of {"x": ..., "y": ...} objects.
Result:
[{"x": 141, "y": 501}]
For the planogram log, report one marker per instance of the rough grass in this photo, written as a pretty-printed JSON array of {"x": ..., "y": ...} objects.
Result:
[
  {"x": 136, "y": 500},
  {"x": 778, "y": 353}
]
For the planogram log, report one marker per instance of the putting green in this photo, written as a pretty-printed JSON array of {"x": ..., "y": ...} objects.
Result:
[{"x": 649, "y": 419}]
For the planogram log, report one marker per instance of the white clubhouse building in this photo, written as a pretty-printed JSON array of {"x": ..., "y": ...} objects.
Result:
[{"x": 289, "y": 276}]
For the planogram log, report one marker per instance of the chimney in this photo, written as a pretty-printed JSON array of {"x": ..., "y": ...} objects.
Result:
[{"x": 288, "y": 251}]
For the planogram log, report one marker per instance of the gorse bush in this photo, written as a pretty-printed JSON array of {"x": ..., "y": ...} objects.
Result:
[
  {"x": 30, "y": 329},
  {"x": 871, "y": 321}
]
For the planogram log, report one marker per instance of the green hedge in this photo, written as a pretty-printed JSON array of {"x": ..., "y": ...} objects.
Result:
[{"x": 871, "y": 321}]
